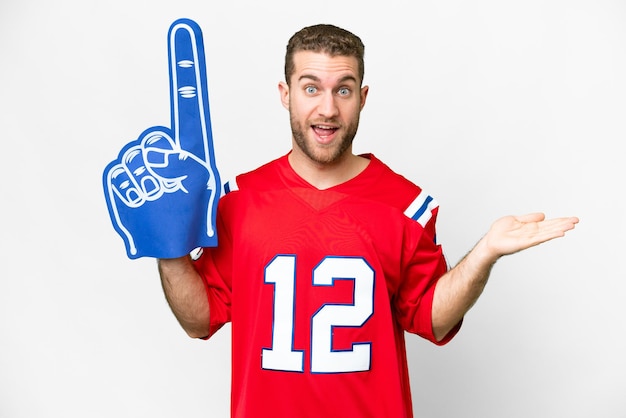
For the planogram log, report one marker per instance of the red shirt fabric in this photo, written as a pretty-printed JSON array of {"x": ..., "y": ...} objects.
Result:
[{"x": 320, "y": 287}]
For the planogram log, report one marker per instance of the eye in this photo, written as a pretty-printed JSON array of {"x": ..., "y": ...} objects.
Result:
[
  {"x": 310, "y": 89},
  {"x": 344, "y": 91}
]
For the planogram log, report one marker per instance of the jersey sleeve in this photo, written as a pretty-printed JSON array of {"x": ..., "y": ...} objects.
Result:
[
  {"x": 424, "y": 264},
  {"x": 423, "y": 210},
  {"x": 215, "y": 266}
]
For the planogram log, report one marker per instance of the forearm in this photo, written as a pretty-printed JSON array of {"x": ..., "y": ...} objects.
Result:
[
  {"x": 186, "y": 294},
  {"x": 457, "y": 290}
]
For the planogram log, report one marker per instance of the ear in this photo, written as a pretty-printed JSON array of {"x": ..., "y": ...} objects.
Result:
[
  {"x": 364, "y": 91},
  {"x": 283, "y": 89}
]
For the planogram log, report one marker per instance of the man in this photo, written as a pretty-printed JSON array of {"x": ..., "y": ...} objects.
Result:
[{"x": 326, "y": 258}]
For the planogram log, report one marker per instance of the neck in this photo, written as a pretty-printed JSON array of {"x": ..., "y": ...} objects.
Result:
[{"x": 324, "y": 176}]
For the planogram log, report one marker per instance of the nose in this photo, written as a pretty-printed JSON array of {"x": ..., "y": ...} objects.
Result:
[{"x": 327, "y": 106}]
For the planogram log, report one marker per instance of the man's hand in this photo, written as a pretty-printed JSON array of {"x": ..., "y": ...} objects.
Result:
[
  {"x": 163, "y": 189},
  {"x": 511, "y": 234},
  {"x": 460, "y": 288}
]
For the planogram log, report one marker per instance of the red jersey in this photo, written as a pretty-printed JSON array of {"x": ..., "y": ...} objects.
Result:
[{"x": 320, "y": 286}]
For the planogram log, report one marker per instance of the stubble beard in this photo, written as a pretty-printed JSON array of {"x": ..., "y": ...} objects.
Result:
[{"x": 320, "y": 154}]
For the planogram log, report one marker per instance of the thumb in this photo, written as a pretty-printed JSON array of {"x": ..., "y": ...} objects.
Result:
[
  {"x": 165, "y": 159},
  {"x": 531, "y": 217},
  {"x": 173, "y": 164}
]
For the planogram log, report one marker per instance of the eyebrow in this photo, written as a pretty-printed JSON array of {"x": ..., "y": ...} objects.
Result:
[{"x": 317, "y": 79}]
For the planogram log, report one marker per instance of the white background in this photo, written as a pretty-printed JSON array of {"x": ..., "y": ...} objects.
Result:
[{"x": 494, "y": 107}]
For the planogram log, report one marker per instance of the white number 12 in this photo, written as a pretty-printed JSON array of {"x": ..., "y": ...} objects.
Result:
[{"x": 281, "y": 272}]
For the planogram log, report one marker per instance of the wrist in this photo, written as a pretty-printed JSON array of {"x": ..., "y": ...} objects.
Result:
[
  {"x": 174, "y": 264},
  {"x": 484, "y": 253}
]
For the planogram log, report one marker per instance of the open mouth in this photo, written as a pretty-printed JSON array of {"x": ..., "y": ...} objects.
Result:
[{"x": 324, "y": 132}]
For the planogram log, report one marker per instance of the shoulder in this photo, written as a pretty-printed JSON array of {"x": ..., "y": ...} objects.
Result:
[
  {"x": 396, "y": 190},
  {"x": 263, "y": 177}
]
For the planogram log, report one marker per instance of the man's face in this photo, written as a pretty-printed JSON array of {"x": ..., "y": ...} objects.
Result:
[{"x": 324, "y": 100}]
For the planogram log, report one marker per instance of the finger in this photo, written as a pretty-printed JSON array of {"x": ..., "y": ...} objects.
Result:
[
  {"x": 538, "y": 227},
  {"x": 120, "y": 184},
  {"x": 147, "y": 185},
  {"x": 126, "y": 178},
  {"x": 115, "y": 181},
  {"x": 531, "y": 217},
  {"x": 156, "y": 146},
  {"x": 552, "y": 228},
  {"x": 189, "y": 98},
  {"x": 562, "y": 225},
  {"x": 168, "y": 163}
]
